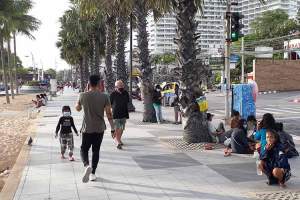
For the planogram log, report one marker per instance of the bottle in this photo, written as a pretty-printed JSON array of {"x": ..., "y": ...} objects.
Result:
[
  {"x": 258, "y": 171},
  {"x": 256, "y": 156}
]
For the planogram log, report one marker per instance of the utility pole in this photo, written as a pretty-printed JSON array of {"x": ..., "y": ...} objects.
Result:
[
  {"x": 243, "y": 62},
  {"x": 227, "y": 60}
]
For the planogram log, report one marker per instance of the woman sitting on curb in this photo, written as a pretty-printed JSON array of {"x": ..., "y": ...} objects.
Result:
[
  {"x": 268, "y": 122},
  {"x": 239, "y": 142},
  {"x": 274, "y": 162}
]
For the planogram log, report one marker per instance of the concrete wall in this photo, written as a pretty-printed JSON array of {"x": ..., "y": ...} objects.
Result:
[{"x": 279, "y": 75}]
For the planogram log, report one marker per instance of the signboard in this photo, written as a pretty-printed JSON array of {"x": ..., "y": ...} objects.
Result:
[
  {"x": 264, "y": 52},
  {"x": 293, "y": 46},
  {"x": 234, "y": 58},
  {"x": 232, "y": 65},
  {"x": 216, "y": 61}
]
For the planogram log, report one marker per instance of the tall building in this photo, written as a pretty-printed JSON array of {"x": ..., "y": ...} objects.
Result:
[
  {"x": 211, "y": 29},
  {"x": 211, "y": 24},
  {"x": 253, "y": 8}
]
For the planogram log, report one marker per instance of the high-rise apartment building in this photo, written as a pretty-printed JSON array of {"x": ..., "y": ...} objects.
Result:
[
  {"x": 211, "y": 28},
  {"x": 253, "y": 8}
]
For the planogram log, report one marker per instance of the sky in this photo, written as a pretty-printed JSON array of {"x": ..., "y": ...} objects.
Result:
[{"x": 43, "y": 48}]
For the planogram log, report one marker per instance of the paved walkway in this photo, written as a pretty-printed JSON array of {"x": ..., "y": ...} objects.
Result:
[{"x": 146, "y": 169}]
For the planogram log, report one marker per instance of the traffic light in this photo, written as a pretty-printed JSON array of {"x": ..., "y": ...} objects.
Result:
[{"x": 236, "y": 26}]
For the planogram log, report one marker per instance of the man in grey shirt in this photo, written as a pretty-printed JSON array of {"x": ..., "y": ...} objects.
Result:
[{"x": 94, "y": 103}]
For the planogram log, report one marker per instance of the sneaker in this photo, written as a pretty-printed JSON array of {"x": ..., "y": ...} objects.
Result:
[
  {"x": 93, "y": 177},
  {"x": 119, "y": 146},
  {"x": 71, "y": 158},
  {"x": 63, "y": 157},
  {"x": 87, "y": 172}
]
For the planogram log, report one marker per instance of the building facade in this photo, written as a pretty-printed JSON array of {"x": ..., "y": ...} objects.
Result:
[
  {"x": 253, "y": 8},
  {"x": 211, "y": 29}
]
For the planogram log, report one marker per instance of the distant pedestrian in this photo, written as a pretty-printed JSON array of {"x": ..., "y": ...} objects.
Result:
[
  {"x": 94, "y": 103},
  {"x": 157, "y": 98},
  {"x": 119, "y": 100},
  {"x": 178, "y": 116},
  {"x": 65, "y": 125}
]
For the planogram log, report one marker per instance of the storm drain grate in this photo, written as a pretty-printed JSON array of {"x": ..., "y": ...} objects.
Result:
[
  {"x": 179, "y": 143},
  {"x": 284, "y": 195}
]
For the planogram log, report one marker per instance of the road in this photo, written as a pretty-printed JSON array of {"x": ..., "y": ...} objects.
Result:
[{"x": 279, "y": 104}]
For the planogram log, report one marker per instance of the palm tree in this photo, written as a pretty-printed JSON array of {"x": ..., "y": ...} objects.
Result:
[
  {"x": 16, "y": 21},
  {"x": 193, "y": 71},
  {"x": 24, "y": 24},
  {"x": 141, "y": 9},
  {"x": 73, "y": 43},
  {"x": 112, "y": 9},
  {"x": 107, "y": 8},
  {"x": 5, "y": 10},
  {"x": 81, "y": 41}
]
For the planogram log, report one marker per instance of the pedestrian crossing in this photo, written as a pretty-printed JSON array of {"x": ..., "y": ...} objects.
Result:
[{"x": 287, "y": 111}]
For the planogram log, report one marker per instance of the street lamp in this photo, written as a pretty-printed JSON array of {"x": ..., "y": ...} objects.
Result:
[{"x": 33, "y": 65}]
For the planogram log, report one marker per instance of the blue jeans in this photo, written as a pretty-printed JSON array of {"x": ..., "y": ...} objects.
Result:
[{"x": 158, "y": 112}]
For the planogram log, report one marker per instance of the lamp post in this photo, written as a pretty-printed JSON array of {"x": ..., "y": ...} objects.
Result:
[{"x": 33, "y": 65}]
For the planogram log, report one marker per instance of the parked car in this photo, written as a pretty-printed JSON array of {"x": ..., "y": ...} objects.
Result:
[{"x": 2, "y": 87}]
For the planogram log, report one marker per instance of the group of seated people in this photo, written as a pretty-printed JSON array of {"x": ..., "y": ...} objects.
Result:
[
  {"x": 267, "y": 137},
  {"x": 41, "y": 100}
]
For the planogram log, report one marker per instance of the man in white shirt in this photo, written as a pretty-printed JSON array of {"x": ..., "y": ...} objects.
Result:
[{"x": 215, "y": 132}]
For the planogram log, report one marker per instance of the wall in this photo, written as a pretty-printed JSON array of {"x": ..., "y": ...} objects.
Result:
[{"x": 279, "y": 75}]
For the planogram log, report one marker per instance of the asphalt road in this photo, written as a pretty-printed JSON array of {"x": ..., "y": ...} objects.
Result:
[{"x": 279, "y": 104}]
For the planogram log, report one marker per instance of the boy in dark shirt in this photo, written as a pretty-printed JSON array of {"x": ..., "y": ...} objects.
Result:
[{"x": 65, "y": 124}]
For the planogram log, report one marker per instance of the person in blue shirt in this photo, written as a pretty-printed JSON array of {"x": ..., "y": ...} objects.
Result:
[
  {"x": 274, "y": 162},
  {"x": 268, "y": 122}
]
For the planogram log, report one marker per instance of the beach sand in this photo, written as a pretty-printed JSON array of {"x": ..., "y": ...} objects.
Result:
[{"x": 14, "y": 129}]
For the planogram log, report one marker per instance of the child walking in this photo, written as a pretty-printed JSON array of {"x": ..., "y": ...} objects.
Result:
[{"x": 66, "y": 140}]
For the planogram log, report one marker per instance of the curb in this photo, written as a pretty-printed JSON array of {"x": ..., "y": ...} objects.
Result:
[{"x": 269, "y": 92}]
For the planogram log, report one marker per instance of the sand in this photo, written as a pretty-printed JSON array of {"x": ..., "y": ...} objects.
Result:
[{"x": 14, "y": 129}]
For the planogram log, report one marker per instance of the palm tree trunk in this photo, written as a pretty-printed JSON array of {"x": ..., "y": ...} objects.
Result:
[
  {"x": 140, "y": 12},
  {"x": 86, "y": 71},
  {"x": 97, "y": 55},
  {"x": 10, "y": 69},
  {"x": 4, "y": 72},
  {"x": 193, "y": 72},
  {"x": 109, "y": 50},
  {"x": 94, "y": 59},
  {"x": 81, "y": 72},
  {"x": 120, "y": 57},
  {"x": 15, "y": 64}
]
